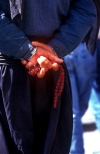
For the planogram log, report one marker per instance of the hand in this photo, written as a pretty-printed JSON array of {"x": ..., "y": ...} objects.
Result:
[
  {"x": 43, "y": 67},
  {"x": 44, "y": 63},
  {"x": 55, "y": 66},
  {"x": 42, "y": 50}
]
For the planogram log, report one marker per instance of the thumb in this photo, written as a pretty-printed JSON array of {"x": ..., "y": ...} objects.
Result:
[{"x": 54, "y": 58}]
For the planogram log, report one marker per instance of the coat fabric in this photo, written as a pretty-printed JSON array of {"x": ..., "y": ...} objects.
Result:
[
  {"x": 16, "y": 7},
  {"x": 63, "y": 25}
]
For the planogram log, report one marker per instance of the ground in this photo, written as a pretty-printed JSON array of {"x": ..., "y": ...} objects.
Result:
[{"x": 91, "y": 134}]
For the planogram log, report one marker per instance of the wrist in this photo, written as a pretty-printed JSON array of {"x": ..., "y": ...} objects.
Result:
[{"x": 33, "y": 52}]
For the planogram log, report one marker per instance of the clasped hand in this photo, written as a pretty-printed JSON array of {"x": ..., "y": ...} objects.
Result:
[{"x": 42, "y": 61}]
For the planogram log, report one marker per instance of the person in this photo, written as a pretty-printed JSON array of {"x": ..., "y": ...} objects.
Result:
[
  {"x": 94, "y": 100},
  {"x": 82, "y": 68},
  {"x": 35, "y": 100}
]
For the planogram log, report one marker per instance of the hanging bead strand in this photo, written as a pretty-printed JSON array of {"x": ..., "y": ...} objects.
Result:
[{"x": 59, "y": 86}]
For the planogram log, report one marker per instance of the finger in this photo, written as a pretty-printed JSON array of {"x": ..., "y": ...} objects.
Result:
[
  {"x": 48, "y": 55},
  {"x": 44, "y": 63},
  {"x": 54, "y": 58},
  {"x": 32, "y": 74},
  {"x": 41, "y": 73},
  {"x": 34, "y": 70},
  {"x": 55, "y": 66},
  {"x": 29, "y": 65},
  {"x": 48, "y": 63},
  {"x": 24, "y": 62}
]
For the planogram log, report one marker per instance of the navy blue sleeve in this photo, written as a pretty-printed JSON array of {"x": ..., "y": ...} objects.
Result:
[
  {"x": 13, "y": 41},
  {"x": 81, "y": 17}
]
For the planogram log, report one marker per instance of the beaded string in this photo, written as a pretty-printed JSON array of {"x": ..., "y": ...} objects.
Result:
[{"x": 59, "y": 86}]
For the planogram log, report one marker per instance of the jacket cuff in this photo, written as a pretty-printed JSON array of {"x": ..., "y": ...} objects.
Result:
[
  {"x": 59, "y": 47},
  {"x": 26, "y": 51}
]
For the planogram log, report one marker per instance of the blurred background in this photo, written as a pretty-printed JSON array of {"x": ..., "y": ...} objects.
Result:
[
  {"x": 84, "y": 73},
  {"x": 91, "y": 118},
  {"x": 91, "y": 134}
]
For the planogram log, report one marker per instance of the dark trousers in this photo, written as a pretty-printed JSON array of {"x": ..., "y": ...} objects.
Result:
[
  {"x": 15, "y": 106},
  {"x": 28, "y": 120}
]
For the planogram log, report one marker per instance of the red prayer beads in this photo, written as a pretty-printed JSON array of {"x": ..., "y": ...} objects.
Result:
[{"x": 59, "y": 86}]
